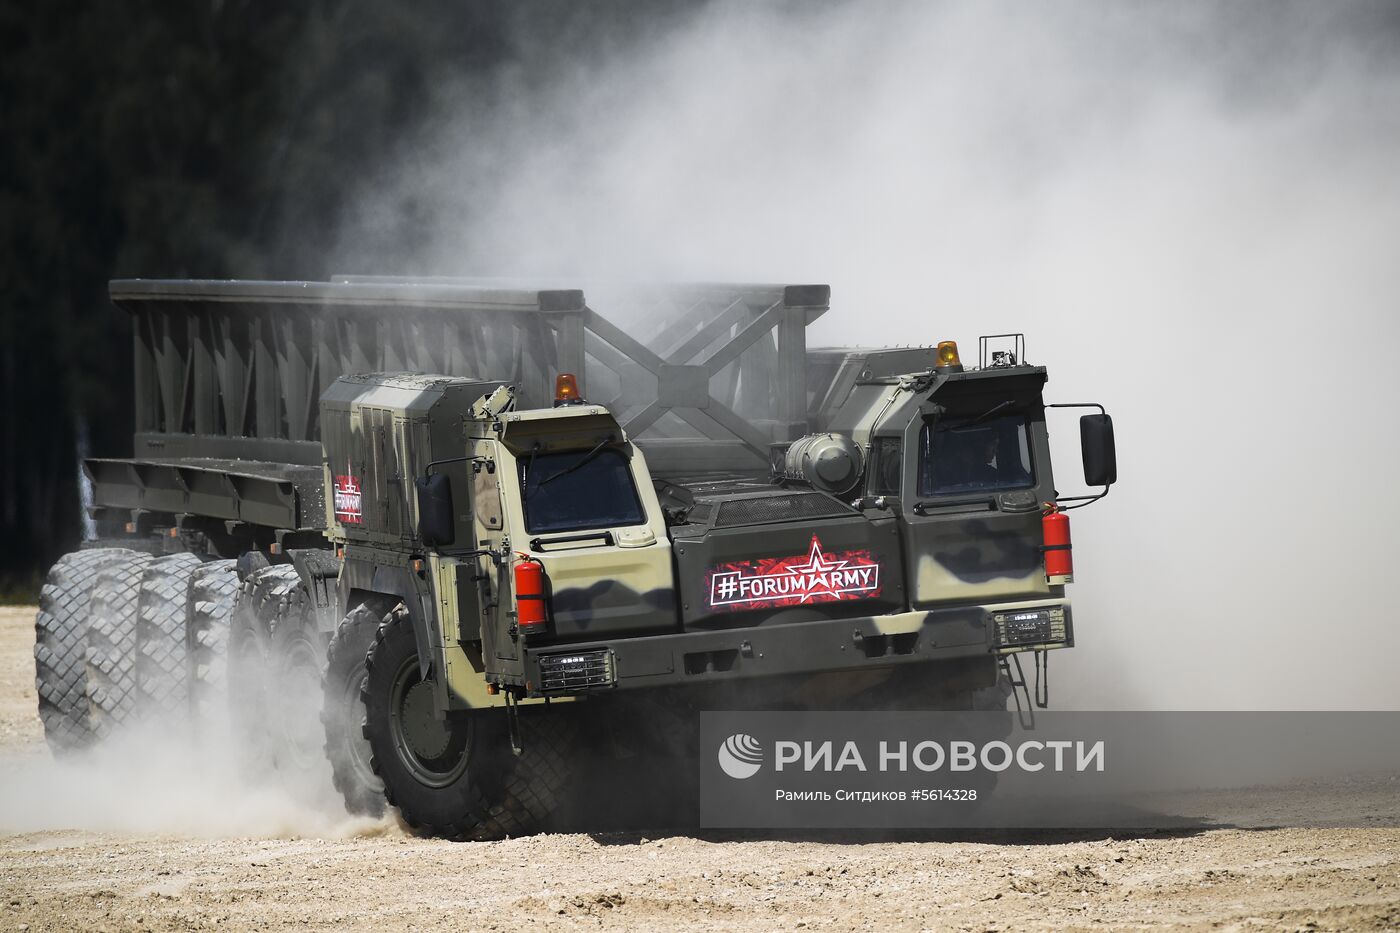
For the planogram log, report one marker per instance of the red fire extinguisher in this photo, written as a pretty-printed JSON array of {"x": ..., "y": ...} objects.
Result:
[
  {"x": 530, "y": 609},
  {"x": 1059, "y": 556}
]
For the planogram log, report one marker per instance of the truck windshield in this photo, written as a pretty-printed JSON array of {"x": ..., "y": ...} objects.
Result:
[
  {"x": 578, "y": 489},
  {"x": 962, "y": 455}
]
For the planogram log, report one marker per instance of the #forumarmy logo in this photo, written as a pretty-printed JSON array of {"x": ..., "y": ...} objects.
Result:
[
  {"x": 818, "y": 576},
  {"x": 740, "y": 756}
]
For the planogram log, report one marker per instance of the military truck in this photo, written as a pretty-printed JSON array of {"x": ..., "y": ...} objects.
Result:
[{"x": 435, "y": 531}]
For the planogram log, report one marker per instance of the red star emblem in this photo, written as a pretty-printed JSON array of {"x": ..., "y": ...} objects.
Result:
[{"x": 818, "y": 566}]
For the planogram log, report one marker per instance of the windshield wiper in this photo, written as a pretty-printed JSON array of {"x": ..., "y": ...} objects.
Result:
[
  {"x": 982, "y": 417},
  {"x": 530, "y": 468},
  {"x": 584, "y": 459}
]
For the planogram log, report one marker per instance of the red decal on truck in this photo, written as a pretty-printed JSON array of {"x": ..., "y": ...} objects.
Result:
[
  {"x": 348, "y": 502},
  {"x": 816, "y": 577}
]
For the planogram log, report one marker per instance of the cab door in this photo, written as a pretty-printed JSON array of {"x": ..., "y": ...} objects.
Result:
[
  {"x": 590, "y": 516},
  {"x": 977, "y": 467}
]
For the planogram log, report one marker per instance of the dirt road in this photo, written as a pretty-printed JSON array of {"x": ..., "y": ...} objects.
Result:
[{"x": 294, "y": 865}]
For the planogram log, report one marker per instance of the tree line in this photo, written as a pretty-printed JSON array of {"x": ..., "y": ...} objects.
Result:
[{"x": 208, "y": 139}]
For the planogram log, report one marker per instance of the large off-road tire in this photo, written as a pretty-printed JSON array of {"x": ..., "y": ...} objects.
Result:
[
  {"x": 298, "y": 663},
  {"x": 162, "y": 662},
  {"x": 60, "y": 646},
  {"x": 111, "y": 644},
  {"x": 455, "y": 777},
  {"x": 250, "y": 684},
  {"x": 644, "y": 743},
  {"x": 536, "y": 781},
  {"x": 213, "y": 588},
  {"x": 343, "y": 713},
  {"x": 443, "y": 775}
]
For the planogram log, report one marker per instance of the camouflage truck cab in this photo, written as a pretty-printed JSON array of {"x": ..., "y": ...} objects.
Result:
[{"x": 964, "y": 457}]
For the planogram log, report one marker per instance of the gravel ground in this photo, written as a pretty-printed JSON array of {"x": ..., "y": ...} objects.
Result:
[{"x": 214, "y": 859}]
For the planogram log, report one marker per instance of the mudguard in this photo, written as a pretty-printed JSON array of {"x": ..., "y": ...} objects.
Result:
[
  {"x": 318, "y": 569},
  {"x": 384, "y": 575}
]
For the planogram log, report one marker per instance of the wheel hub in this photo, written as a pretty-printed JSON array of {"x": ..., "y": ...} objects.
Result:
[
  {"x": 427, "y": 736},
  {"x": 435, "y": 751}
]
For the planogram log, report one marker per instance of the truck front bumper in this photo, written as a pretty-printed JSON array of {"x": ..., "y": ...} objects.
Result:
[{"x": 858, "y": 643}]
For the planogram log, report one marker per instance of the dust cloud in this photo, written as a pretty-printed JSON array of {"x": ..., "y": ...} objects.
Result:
[
  {"x": 166, "y": 773},
  {"x": 155, "y": 777},
  {"x": 1191, "y": 210}
]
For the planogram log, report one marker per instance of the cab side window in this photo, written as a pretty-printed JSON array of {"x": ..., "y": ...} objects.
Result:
[{"x": 887, "y": 466}]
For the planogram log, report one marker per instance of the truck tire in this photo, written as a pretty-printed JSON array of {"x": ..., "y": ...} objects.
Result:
[
  {"x": 457, "y": 777},
  {"x": 343, "y": 714},
  {"x": 60, "y": 647},
  {"x": 444, "y": 776},
  {"x": 213, "y": 587},
  {"x": 111, "y": 643},
  {"x": 647, "y": 742},
  {"x": 538, "y": 778},
  {"x": 297, "y": 666},
  {"x": 162, "y": 662},
  {"x": 249, "y": 664}
]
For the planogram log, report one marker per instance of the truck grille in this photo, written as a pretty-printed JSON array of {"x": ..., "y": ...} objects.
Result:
[{"x": 563, "y": 673}]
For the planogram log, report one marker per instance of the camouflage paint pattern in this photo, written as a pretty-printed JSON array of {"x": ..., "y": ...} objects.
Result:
[{"x": 970, "y": 548}]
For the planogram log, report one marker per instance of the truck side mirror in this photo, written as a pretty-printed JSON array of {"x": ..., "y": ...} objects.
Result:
[
  {"x": 435, "y": 510},
  {"x": 1096, "y": 444}
]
